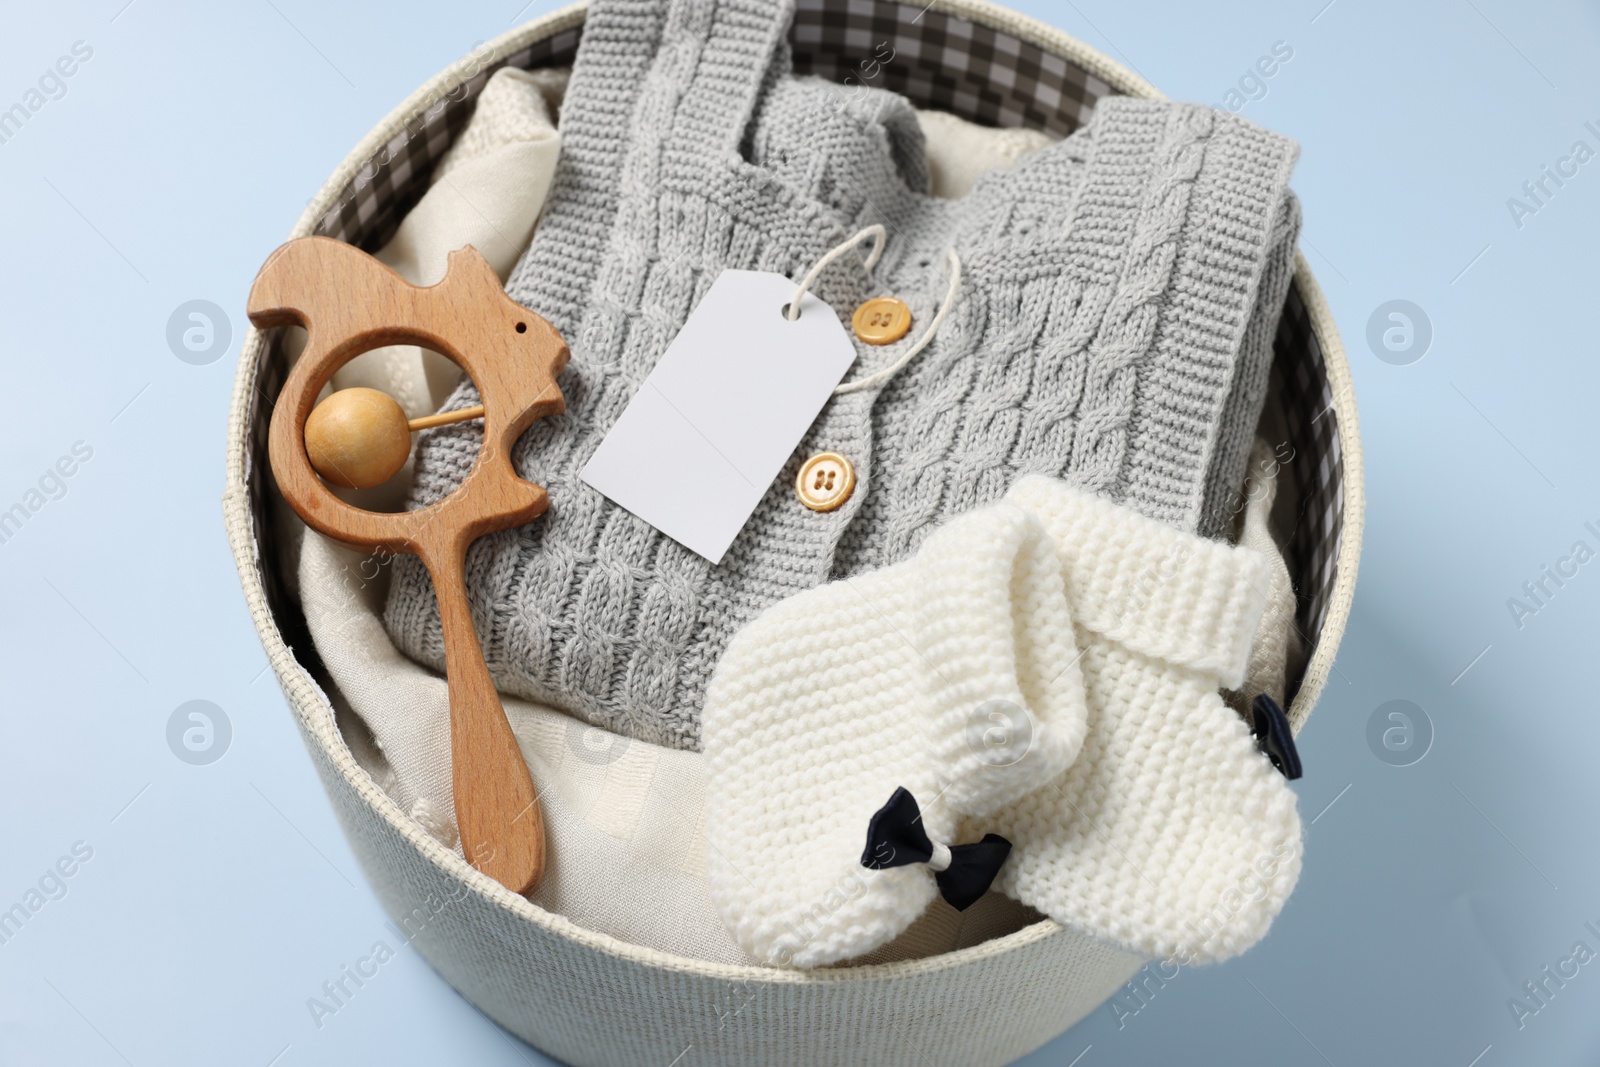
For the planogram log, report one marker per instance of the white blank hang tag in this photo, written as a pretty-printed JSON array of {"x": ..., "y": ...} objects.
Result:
[{"x": 730, "y": 399}]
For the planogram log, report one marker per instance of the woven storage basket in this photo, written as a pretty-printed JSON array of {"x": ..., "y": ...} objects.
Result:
[{"x": 591, "y": 999}]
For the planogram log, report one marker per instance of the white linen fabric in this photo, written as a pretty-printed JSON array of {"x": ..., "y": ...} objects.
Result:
[
  {"x": 960, "y": 152},
  {"x": 627, "y": 853}
]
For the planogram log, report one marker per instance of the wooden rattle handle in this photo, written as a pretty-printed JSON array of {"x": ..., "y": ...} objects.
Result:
[{"x": 497, "y": 808}]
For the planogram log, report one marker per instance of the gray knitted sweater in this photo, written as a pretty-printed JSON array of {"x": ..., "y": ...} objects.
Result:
[{"x": 1114, "y": 327}]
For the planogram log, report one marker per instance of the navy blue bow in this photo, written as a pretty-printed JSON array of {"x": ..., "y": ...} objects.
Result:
[
  {"x": 895, "y": 838},
  {"x": 1273, "y": 737}
]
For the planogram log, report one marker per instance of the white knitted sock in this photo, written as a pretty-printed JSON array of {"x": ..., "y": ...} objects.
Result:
[
  {"x": 1171, "y": 835},
  {"x": 942, "y": 675}
]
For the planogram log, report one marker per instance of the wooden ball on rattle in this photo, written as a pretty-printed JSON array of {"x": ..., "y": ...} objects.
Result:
[{"x": 360, "y": 437}]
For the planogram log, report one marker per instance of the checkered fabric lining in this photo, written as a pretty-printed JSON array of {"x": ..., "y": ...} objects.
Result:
[
  {"x": 940, "y": 61},
  {"x": 1299, "y": 381}
]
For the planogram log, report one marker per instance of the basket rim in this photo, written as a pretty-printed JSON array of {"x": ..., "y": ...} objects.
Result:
[{"x": 315, "y": 711}]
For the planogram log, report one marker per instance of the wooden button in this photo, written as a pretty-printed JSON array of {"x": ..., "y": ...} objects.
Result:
[
  {"x": 883, "y": 320},
  {"x": 826, "y": 481}
]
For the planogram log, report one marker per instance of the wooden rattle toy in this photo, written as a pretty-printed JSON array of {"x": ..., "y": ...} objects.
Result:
[{"x": 350, "y": 304}]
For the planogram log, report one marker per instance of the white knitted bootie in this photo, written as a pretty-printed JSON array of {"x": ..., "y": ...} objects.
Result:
[
  {"x": 1171, "y": 836},
  {"x": 952, "y": 677}
]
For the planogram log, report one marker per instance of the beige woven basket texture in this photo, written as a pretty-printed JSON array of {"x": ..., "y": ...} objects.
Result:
[{"x": 586, "y": 998}]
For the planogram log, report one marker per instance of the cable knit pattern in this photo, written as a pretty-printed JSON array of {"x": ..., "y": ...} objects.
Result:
[
  {"x": 1171, "y": 835},
  {"x": 1110, "y": 282},
  {"x": 835, "y": 697}
]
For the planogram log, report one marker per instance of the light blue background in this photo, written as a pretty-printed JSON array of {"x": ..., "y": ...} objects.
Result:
[{"x": 219, "y": 898}]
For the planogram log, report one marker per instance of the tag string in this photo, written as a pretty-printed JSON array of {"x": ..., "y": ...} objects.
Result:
[
  {"x": 876, "y": 233},
  {"x": 879, "y": 236}
]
